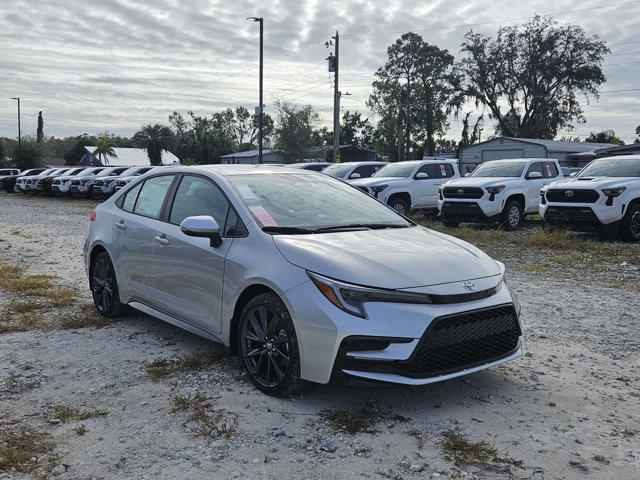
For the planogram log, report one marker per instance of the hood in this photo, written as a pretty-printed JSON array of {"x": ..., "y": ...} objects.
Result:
[
  {"x": 65, "y": 177},
  {"x": 391, "y": 258},
  {"x": 482, "y": 181},
  {"x": 592, "y": 182},
  {"x": 127, "y": 179},
  {"x": 372, "y": 181}
]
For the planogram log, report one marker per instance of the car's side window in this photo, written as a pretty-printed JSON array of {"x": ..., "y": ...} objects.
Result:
[
  {"x": 151, "y": 196},
  {"x": 445, "y": 170},
  {"x": 535, "y": 167},
  {"x": 198, "y": 196},
  {"x": 129, "y": 201},
  {"x": 429, "y": 169},
  {"x": 550, "y": 170},
  {"x": 363, "y": 170}
]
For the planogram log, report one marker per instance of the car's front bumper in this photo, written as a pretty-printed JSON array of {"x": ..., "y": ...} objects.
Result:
[
  {"x": 471, "y": 211},
  {"x": 581, "y": 216},
  {"x": 323, "y": 331}
]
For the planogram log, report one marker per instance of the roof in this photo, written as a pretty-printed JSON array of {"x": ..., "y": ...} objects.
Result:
[
  {"x": 618, "y": 149},
  {"x": 241, "y": 169},
  {"x": 133, "y": 157},
  {"x": 249, "y": 153},
  {"x": 552, "y": 145}
]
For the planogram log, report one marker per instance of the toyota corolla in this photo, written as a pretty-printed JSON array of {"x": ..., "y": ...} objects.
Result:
[{"x": 304, "y": 276}]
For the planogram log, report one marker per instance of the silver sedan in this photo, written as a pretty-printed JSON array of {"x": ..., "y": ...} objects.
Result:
[{"x": 304, "y": 276}]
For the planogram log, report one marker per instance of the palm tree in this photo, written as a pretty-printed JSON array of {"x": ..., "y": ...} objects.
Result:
[
  {"x": 104, "y": 148},
  {"x": 154, "y": 139}
]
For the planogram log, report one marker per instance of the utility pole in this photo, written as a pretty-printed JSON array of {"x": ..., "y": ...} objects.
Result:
[
  {"x": 336, "y": 101},
  {"x": 19, "y": 129},
  {"x": 260, "y": 109},
  {"x": 408, "y": 119}
]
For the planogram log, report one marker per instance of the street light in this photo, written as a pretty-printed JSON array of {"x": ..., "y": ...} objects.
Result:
[
  {"x": 19, "y": 130},
  {"x": 260, "y": 108}
]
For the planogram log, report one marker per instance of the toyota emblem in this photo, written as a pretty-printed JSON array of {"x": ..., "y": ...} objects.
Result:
[
  {"x": 568, "y": 193},
  {"x": 469, "y": 286},
  {"x": 460, "y": 191}
]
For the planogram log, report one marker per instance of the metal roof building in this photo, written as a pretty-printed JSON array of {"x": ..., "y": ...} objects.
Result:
[
  {"x": 250, "y": 157},
  {"x": 569, "y": 154},
  {"x": 127, "y": 157}
]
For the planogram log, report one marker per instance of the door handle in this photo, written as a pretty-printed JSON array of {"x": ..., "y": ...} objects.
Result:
[
  {"x": 162, "y": 239},
  {"x": 120, "y": 225}
]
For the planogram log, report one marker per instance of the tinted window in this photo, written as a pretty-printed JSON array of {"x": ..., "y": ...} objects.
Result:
[
  {"x": 316, "y": 168},
  {"x": 365, "y": 171},
  {"x": 152, "y": 196},
  {"x": 550, "y": 170},
  {"x": 396, "y": 170},
  {"x": 130, "y": 198},
  {"x": 198, "y": 196},
  {"x": 535, "y": 167},
  {"x": 445, "y": 170},
  {"x": 429, "y": 169},
  {"x": 499, "y": 169}
]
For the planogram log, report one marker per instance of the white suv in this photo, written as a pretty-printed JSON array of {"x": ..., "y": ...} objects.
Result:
[
  {"x": 75, "y": 184},
  {"x": 409, "y": 185},
  {"x": 606, "y": 193},
  {"x": 499, "y": 191}
]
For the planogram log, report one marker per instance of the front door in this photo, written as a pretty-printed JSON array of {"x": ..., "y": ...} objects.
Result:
[
  {"x": 533, "y": 186},
  {"x": 188, "y": 271},
  {"x": 425, "y": 190}
]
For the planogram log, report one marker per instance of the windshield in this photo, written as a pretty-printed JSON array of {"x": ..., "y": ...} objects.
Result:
[
  {"x": 398, "y": 170},
  {"x": 297, "y": 200},
  {"x": 612, "y": 167},
  {"x": 74, "y": 172},
  {"x": 499, "y": 169},
  {"x": 337, "y": 171},
  {"x": 107, "y": 172}
]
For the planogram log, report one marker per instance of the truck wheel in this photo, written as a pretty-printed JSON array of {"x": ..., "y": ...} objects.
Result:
[
  {"x": 511, "y": 215},
  {"x": 630, "y": 228},
  {"x": 399, "y": 205}
]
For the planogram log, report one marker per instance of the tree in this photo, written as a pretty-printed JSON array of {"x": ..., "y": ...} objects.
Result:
[
  {"x": 3, "y": 160},
  {"x": 605, "y": 136},
  {"x": 40, "y": 132},
  {"x": 28, "y": 156},
  {"x": 246, "y": 128},
  {"x": 417, "y": 86},
  {"x": 201, "y": 140},
  {"x": 294, "y": 130},
  {"x": 466, "y": 139},
  {"x": 77, "y": 152},
  {"x": 104, "y": 149},
  {"x": 637, "y": 140},
  {"x": 154, "y": 139},
  {"x": 354, "y": 130},
  {"x": 530, "y": 76}
]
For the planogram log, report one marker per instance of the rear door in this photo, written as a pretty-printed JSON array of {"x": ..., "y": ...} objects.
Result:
[
  {"x": 192, "y": 291},
  {"x": 425, "y": 190},
  {"x": 134, "y": 227}
]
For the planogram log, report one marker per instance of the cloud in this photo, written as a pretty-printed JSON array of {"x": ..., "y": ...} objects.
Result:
[{"x": 96, "y": 65}]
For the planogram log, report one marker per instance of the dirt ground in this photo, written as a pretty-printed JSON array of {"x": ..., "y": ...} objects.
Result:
[{"x": 141, "y": 399}]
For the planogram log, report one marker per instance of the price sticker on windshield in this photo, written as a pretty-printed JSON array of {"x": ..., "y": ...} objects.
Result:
[{"x": 263, "y": 216}]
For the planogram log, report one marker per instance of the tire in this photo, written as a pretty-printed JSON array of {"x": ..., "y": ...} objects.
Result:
[
  {"x": 511, "y": 215},
  {"x": 399, "y": 205},
  {"x": 104, "y": 287},
  {"x": 280, "y": 376},
  {"x": 630, "y": 227},
  {"x": 449, "y": 224}
]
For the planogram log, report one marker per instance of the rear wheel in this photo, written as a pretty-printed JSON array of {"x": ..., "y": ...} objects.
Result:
[
  {"x": 511, "y": 215},
  {"x": 268, "y": 346},
  {"x": 399, "y": 205},
  {"x": 104, "y": 287},
  {"x": 630, "y": 227}
]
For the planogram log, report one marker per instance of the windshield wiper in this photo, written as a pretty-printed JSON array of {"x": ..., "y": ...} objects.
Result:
[
  {"x": 285, "y": 230},
  {"x": 367, "y": 226}
]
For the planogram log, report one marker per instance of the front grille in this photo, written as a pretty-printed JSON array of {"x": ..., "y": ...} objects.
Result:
[
  {"x": 56, "y": 182},
  {"x": 462, "y": 192},
  {"x": 98, "y": 183},
  {"x": 570, "y": 195},
  {"x": 555, "y": 215},
  {"x": 75, "y": 182},
  {"x": 463, "y": 340},
  {"x": 460, "y": 208}
]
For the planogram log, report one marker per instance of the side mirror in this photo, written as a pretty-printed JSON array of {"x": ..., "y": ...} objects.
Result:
[
  {"x": 468, "y": 174},
  {"x": 202, "y": 226},
  {"x": 355, "y": 175},
  {"x": 534, "y": 175},
  {"x": 573, "y": 174},
  {"x": 421, "y": 176}
]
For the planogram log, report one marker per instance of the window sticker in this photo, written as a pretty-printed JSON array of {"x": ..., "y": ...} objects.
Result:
[
  {"x": 263, "y": 216},
  {"x": 443, "y": 170},
  {"x": 548, "y": 169},
  {"x": 246, "y": 192}
]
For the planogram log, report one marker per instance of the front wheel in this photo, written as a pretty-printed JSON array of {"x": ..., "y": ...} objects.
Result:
[
  {"x": 399, "y": 205},
  {"x": 630, "y": 227},
  {"x": 511, "y": 215},
  {"x": 104, "y": 287},
  {"x": 268, "y": 346}
]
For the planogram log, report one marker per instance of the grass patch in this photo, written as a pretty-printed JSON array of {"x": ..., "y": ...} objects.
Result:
[
  {"x": 163, "y": 367},
  {"x": 19, "y": 448},
  {"x": 80, "y": 430},
  {"x": 461, "y": 451},
  {"x": 359, "y": 420},
  {"x": 65, "y": 413},
  {"x": 202, "y": 418}
]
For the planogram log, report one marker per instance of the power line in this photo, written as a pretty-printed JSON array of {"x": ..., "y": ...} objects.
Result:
[{"x": 467, "y": 25}]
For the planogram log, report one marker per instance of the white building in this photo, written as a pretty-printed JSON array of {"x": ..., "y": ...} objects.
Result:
[{"x": 126, "y": 157}]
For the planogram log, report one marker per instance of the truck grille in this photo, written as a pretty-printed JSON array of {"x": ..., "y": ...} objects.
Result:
[
  {"x": 55, "y": 182},
  {"x": 570, "y": 195},
  {"x": 463, "y": 340},
  {"x": 98, "y": 183},
  {"x": 75, "y": 182},
  {"x": 463, "y": 192},
  {"x": 582, "y": 216},
  {"x": 460, "y": 208}
]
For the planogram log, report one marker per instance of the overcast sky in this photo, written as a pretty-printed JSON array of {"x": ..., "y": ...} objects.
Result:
[{"x": 114, "y": 65}]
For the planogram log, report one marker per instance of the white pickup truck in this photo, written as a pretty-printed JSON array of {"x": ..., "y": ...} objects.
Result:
[
  {"x": 603, "y": 195},
  {"x": 499, "y": 191},
  {"x": 409, "y": 185}
]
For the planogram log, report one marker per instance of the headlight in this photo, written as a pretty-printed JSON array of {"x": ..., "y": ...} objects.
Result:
[
  {"x": 495, "y": 190},
  {"x": 351, "y": 298},
  {"x": 378, "y": 188},
  {"x": 613, "y": 192}
]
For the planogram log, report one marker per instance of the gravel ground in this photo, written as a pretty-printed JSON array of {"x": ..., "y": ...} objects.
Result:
[{"x": 569, "y": 408}]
